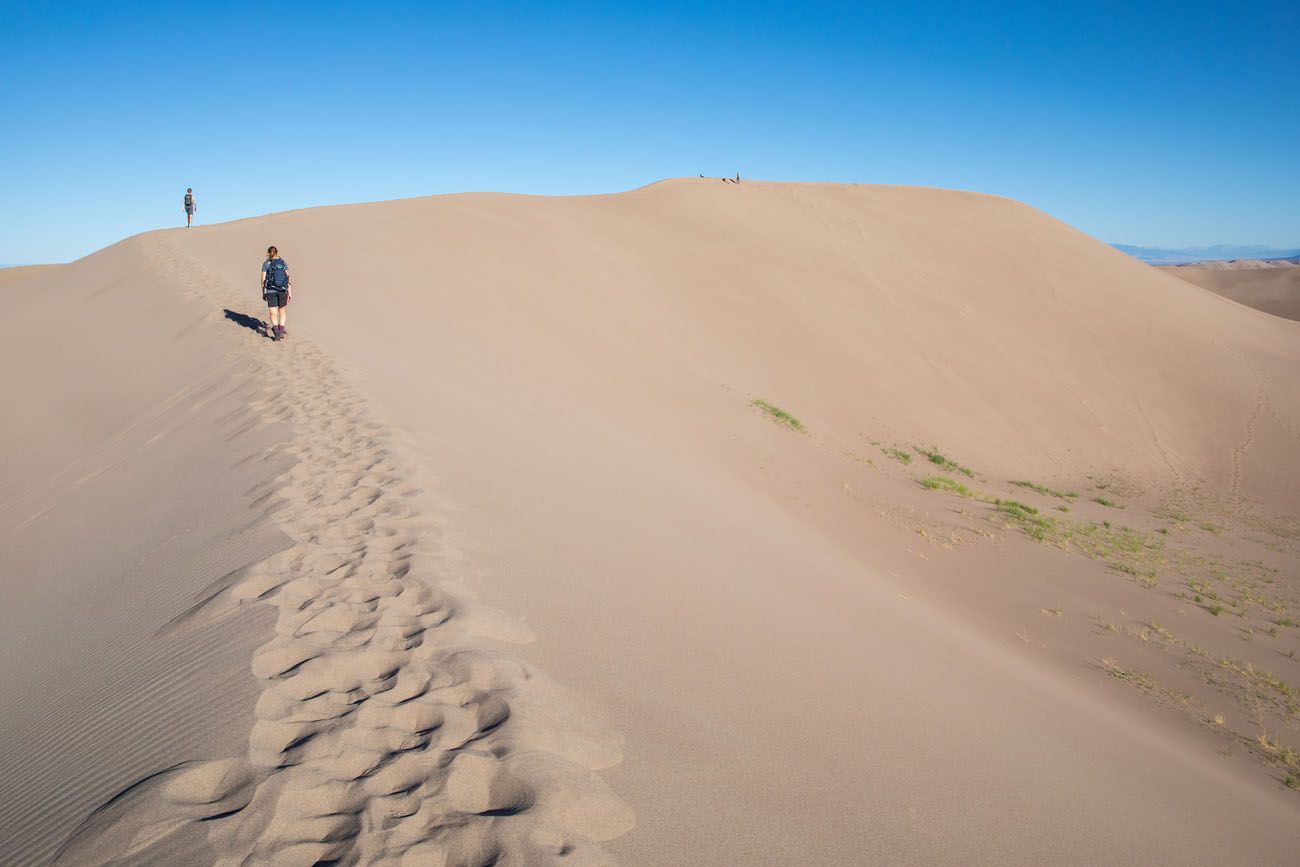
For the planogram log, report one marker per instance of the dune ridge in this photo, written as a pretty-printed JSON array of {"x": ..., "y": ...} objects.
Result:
[{"x": 811, "y": 651}]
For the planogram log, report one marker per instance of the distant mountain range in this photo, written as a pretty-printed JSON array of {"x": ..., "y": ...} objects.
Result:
[{"x": 1214, "y": 253}]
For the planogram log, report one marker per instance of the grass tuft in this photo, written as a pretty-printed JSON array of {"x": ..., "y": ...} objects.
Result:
[
  {"x": 943, "y": 483},
  {"x": 940, "y": 461},
  {"x": 1043, "y": 489},
  {"x": 903, "y": 457},
  {"x": 1034, "y": 525},
  {"x": 779, "y": 415}
]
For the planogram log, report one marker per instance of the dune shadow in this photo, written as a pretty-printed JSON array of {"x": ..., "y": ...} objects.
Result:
[{"x": 243, "y": 319}]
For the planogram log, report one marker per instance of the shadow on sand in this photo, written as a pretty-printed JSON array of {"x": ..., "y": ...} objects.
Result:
[{"x": 242, "y": 319}]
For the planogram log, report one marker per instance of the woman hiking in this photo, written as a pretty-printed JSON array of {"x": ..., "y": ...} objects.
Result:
[{"x": 276, "y": 291}]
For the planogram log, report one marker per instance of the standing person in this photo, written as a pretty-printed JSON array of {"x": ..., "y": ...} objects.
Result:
[
  {"x": 276, "y": 291},
  {"x": 189, "y": 206}
]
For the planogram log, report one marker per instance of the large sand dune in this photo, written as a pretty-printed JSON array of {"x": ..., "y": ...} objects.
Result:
[
  {"x": 1269, "y": 285},
  {"x": 496, "y": 558}
]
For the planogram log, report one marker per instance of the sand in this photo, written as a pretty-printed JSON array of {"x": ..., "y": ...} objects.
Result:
[
  {"x": 1269, "y": 285},
  {"x": 526, "y": 575}
]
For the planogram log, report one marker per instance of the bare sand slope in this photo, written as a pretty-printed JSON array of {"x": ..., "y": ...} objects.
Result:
[
  {"x": 946, "y": 316},
  {"x": 1272, "y": 286},
  {"x": 575, "y": 375},
  {"x": 810, "y": 659}
]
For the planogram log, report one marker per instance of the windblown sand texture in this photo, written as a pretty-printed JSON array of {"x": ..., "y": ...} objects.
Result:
[
  {"x": 1270, "y": 285},
  {"x": 496, "y": 561}
]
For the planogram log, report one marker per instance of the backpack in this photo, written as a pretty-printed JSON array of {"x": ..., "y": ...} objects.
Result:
[
  {"x": 189, "y": 200},
  {"x": 277, "y": 275}
]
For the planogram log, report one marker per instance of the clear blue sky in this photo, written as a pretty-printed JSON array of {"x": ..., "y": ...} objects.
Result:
[{"x": 1147, "y": 123}]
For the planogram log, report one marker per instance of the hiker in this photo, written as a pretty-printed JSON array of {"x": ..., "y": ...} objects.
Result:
[
  {"x": 276, "y": 291},
  {"x": 189, "y": 206}
]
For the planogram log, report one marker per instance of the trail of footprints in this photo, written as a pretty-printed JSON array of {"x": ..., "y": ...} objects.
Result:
[{"x": 384, "y": 731}]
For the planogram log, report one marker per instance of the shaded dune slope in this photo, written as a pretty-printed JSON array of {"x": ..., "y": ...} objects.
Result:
[
  {"x": 122, "y": 499},
  {"x": 1271, "y": 287}
]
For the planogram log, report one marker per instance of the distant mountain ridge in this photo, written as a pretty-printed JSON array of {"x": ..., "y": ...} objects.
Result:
[{"x": 1213, "y": 253}]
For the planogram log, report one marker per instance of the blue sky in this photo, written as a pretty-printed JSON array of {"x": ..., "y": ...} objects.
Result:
[{"x": 1155, "y": 124}]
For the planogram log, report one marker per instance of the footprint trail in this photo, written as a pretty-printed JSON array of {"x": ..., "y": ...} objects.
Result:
[{"x": 392, "y": 727}]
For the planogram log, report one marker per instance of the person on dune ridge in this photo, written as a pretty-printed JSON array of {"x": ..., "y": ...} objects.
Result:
[
  {"x": 276, "y": 291},
  {"x": 190, "y": 206}
]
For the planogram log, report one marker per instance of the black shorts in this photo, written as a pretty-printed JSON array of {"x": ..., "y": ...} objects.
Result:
[{"x": 276, "y": 298}]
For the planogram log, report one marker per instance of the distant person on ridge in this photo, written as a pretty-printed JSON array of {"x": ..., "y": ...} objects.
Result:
[
  {"x": 276, "y": 291},
  {"x": 189, "y": 206}
]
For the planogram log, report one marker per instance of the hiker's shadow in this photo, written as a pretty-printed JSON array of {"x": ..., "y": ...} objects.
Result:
[{"x": 246, "y": 321}]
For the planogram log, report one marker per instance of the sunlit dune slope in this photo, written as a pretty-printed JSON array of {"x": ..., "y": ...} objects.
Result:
[{"x": 870, "y": 312}]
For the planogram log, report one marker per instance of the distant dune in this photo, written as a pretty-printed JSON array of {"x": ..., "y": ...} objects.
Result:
[
  {"x": 1270, "y": 285},
  {"x": 1212, "y": 253},
  {"x": 706, "y": 523}
]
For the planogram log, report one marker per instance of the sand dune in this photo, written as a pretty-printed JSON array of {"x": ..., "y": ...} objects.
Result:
[
  {"x": 1269, "y": 285},
  {"x": 761, "y": 644}
]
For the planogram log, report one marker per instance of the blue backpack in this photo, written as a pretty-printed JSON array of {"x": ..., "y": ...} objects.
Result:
[{"x": 277, "y": 275}]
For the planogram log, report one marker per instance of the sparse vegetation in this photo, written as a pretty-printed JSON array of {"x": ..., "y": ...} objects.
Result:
[
  {"x": 1034, "y": 525},
  {"x": 1102, "y": 623},
  {"x": 1145, "y": 682},
  {"x": 940, "y": 461},
  {"x": 903, "y": 457},
  {"x": 1283, "y": 755},
  {"x": 779, "y": 415},
  {"x": 1157, "y": 550},
  {"x": 1124, "y": 549},
  {"x": 943, "y": 483},
  {"x": 1043, "y": 489},
  {"x": 1145, "y": 577}
]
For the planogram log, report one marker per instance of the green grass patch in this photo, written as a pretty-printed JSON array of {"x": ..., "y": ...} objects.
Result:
[
  {"x": 940, "y": 461},
  {"x": 943, "y": 483},
  {"x": 1026, "y": 517},
  {"x": 1043, "y": 489},
  {"x": 1104, "y": 502},
  {"x": 779, "y": 415},
  {"x": 1123, "y": 548}
]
